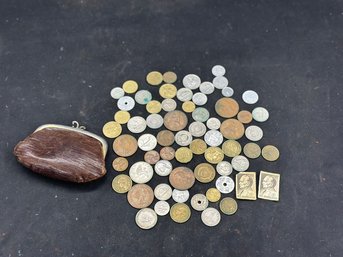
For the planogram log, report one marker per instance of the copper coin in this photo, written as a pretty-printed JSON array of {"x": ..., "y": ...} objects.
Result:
[
  {"x": 244, "y": 116},
  {"x": 151, "y": 157},
  {"x": 226, "y": 107},
  {"x": 165, "y": 138},
  {"x": 175, "y": 120},
  {"x": 120, "y": 164},
  {"x": 140, "y": 196},
  {"x": 232, "y": 129},
  {"x": 182, "y": 178},
  {"x": 167, "y": 153},
  {"x": 125, "y": 145}
]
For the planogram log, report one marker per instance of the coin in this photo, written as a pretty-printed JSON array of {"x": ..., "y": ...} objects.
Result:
[
  {"x": 244, "y": 116},
  {"x": 169, "y": 105},
  {"x": 184, "y": 94},
  {"x": 117, "y": 93},
  {"x": 206, "y": 87},
  {"x": 136, "y": 124},
  {"x": 175, "y": 120},
  {"x": 183, "y": 138},
  {"x": 254, "y": 133},
  {"x": 146, "y": 218},
  {"x": 183, "y": 155},
  {"x": 220, "y": 82},
  {"x": 228, "y": 206},
  {"x": 232, "y": 129},
  {"x": 147, "y": 142},
  {"x": 162, "y": 208},
  {"x": 121, "y": 183},
  {"x": 126, "y": 103},
  {"x": 140, "y": 196},
  {"x": 143, "y": 97},
  {"x": 169, "y": 77},
  {"x": 199, "y": 99},
  {"x": 188, "y": 106},
  {"x": 204, "y": 172},
  {"x": 200, "y": 114},
  {"x": 141, "y": 172},
  {"x": 120, "y": 164},
  {"x": 167, "y": 153},
  {"x": 125, "y": 145},
  {"x": 224, "y": 168},
  {"x": 226, "y": 107},
  {"x": 180, "y": 212},
  {"x": 151, "y": 157},
  {"x": 112, "y": 129},
  {"x": 213, "y": 194},
  {"x": 269, "y": 186},
  {"x": 250, "y": 97},
  {"x": 163, "y": 167},
  {"x": 122, "y": 117},
  {"x": 197, "y": 129},
  {"x": 154, "y": 78},
  {"x": 227, "y": 91},
  {"x": 153, "y": 106},
  {"x": 154, "y": 121},
  {"x": 191, "y": 81},
  {"x": 210, "y": 217},
  {"x": 240, "y": 163},
  {"x": 270, "y": 153},
  {"x": 199, "y": 202},
  {"x": 180, "y": 196},
  {"x": 168, "y": 91},
  {"x": 165, "y": 138},
  {"x": 246, "y": 185},
  {"x": 213, "y": 138},
  {"x": 214, "y": 154},
  {"x": 225, "y": 184},
  {"x": 198, "y": 146},
  {"x": 252, "y": 150},
  {"x": 213, "y": 123},
  {"x": 130, "y": 86},
  {"x": 260, "y": 114},
  {"x": 163, "y": 192},
  {"x": 218, "y": 70},
  {"x": 182, "y": 178},
  {"x": 231, "y": 148}
]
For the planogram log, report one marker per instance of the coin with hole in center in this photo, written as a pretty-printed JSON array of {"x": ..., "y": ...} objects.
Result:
[
  {"x": 225, "y": 184},
  {"x": 199, "y": 202}
]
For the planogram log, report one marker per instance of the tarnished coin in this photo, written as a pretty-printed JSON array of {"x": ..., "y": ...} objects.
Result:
[
  {"x": 204, "y": 172},
  {"x": 122, "y": 117},
  {"x": 210, "y": 217},
  {"x": 112, "y": 129},
  {"x": 213, "y": 195},
  {"x": 244, "y": 116},
  {"x": 183, "y": 155},
  {"x": 169, "y": 77},
  {"x": 206, "y": 87},
  {"x": 252, "y": 150},
  {"x": 183, "y": 138},
  {"x": 161, "y": 208},
  {"x": 191, "y": 81},
  {"x": 184, "y": 94},
  {"x": 140, "y": 196},
  {"x": 163, "y": 192},
  {"x": 141, "y": 172},
  {"x": 232, "y": 129},
  {"x": 120, "y": 164},
  {"x": 220, "y": 82},
  {"x": 250, "y": 97},
  {"x": 199, "y": 99},
  {"x": 197, "y": 129},
  {"x": 143, "y": 97},
  {"x": 227, "y": 91},
  {"x": 154, "y": 78},
  {"x": 213, "y": 138},
  {"x": 126, "y": 103},
  {"x": 225, "y": 184},
  {"x": 270, "y": 153},
  {"x": 228, "y": 206},
  {"x": 151, "y": 157},
  {"x": 167, "y": 153},
  {"x": 168, "y": 91},
  {"x": 213, "y": 123},
  {"x": 182, "y": 178},
  {"x": 231, "y": 148},
  {"x": 175, "y": 120},
  {"x": 200, "y": 114},
  {"x": 254, "y": 133},
  {"x": 147, "y": 142},
  {"x": 188, "y": 106},
  {"x": 224, "y": 168},
  {"x": 136, "y": 124},
  {"x": 180, "y": 196},
  {"x": 214, "y": 154},
  {"x": 199, "y": 202},
  {"x": 198, "y": 146},
  {"x": 165, "y": 138},
  {"x": 260, "y": 114},
  {"x": 146, "y": 218},
  {"x": 169, "y": 105},
  {"x": 125, "y": 145},
  {"x": 240, "y": 163},
  {"x": 154, "y": 121},
  {"x": 180, "y": 212},
  {"x": 153, "y": 106},
  {"x": 226, "y": 107},
  {"x": 121, "y": 183},
  {"x": 218, "y": 70},
  {"x": 163, "y": 167},
  {"x": 117, "y": 93},
  {"x": 130, "y": 86}
]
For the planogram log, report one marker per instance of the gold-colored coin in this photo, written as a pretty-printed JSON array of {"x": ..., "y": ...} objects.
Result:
[
  {"x": 188, "y": 106},
  {"x": 169, "y": 77},
  {"x": 112, "y": 129},
  {"x": 122, "y": 183},
  {"x": 231, "y": 148},
  {"x": 204, "y": 172},
  {"x": 120, "y": 164},
  {"x": 130, "y": 86},
  {"x": 180, "y": 212},
  {"x": 154, "y": 78},
  {"x": 213, "y": 195},
  {"x": 214, "y": 154},
  {"x": 198, "y": 146},
  {"x": 252, "y": 150},
  {"x": 228, "y": 206},
  {"x": 154, "y": 106},
  {"x": 183, "y": 155},
  {"x": 168, "y": 91},
  {"x": 270, "y": 153},
  {"x": 122, "y": 117}
]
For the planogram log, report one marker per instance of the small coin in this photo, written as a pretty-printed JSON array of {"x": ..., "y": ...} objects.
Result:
[
  {"x": 213, "y": 123},
  {"x": 154, "y": 121},
  {"x": 140, "y": 196},
  {"x": 191, "y": 81},
  {"x": 213, "y": 195},
  {"x": 122, "y": 117},
  {"x": 143, "y": 97},
  {"x": 254, "y": 133},
  {"x": 232, "y": 129},
  {"x": 231, "y": 148},
  {"x": 125, "y": 145},
  {"x": 244, "y": 116},
  {"x": 136, "y": 124},
  {"x": 210, "y": 217},
  {"x": 121, "y": 184},
  {"x": 199, "y": 99},
  {"x": 168, "y": 91},
  {"x": 117, "y": 93},
  {"x": 204, "y": 172},
  {"x": 169, "y": 77},
  {"x": 165, "y": 138},
  {"x": 188, "y": 106},
  {"x": 183, "y": 155},
  {"x": 270, "y": 153},
  {"x": 252, "y": 150},
  {"x": 240, "y": 163},
  {"x": 206, "y": 87},
  {"x": 120, "y": 164},
  {"x": 224, "y": 168},
  {"x": 146, "y": 218},
  {"x": 169, "y": 105},
  {"x": 130, "y": 86},
  {"x": 112, "y": 129},
  {"x": 180, "y": 212},
  {"x": 218, "y": 70},
  {"x": 250, "y": 97},
  {"x": 213, "y": 138},
  {"x": 141, "y": 172},
  {"x": 147, "y": 142},
  {"x": 198, "y": 146},
  {"x": 175, "y": 120},
  {"x": 167, "y": 153},
  {"x": 226, "y": 107},
  {"x": 126, "y": 103},
  {"x": 197, "y": 129},
  {"x": 199, "y": 202},
  {"x": 225, "y": 184},
  {"x": 260, "y": 114},
  {"x": 184, "y": 94},
  {"x": 151, "y": 157},
  {"x": 180, "y": 196},
  {"x": 163, "y": 192},
  {"x": 220, "y": 82},
  {"x": 227, "y": 91},
  {"x": 153, "y": 106},
  {"x": 163, "y": 167},
  {"x": 228, "y": 206},
  {"x": 161, "y": 208},
  {"x": 183, "y": 138},
  {"x": 182, "y": 178},
  {"x": 154, "y": 78},
  {"x": 200, "y": 114},
  {"x": 214, "y": 154}
]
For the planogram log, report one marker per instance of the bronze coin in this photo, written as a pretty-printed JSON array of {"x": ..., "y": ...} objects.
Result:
[
  {"x": 169, "y": 77},
  {"x": 151, "y": 157},
  {"x": 167, "y": 153},
  {"x": 125, "y": 145},
  {"x": 244, "y": 116},
  {"x": 165, "y": 138},
  {"x": 226, "y": 107},
  {"x": 232, "y": 129},
  {"x": 182, "y": 178},
  {"x": 120, "y": 164},
  {"x": 175, "y": 120},
  {"x": 140, "y": 196}
]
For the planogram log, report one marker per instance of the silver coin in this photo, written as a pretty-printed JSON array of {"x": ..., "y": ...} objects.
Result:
[
  {"x": 213, "y": 123},
  {"x": 136, "y": 124},
  {"x": 218, "y": 70},
  {"x": 200, "y": 114},
  {"x": 147, "y": 142},
  {"x": 143, "y": 97},
  {"x": 180, "y": 196},
  {"x": 126, "y": 103},
  {"x": 183, "y": 138},
  {"x": 184, "y": 94},
  {"x": 240, "y": 163},
  {"x": 197, "y": 129},
  {"x": 163, "y": 192},
  {"x": 220, "y": 82},
  {"x": 191, "y": 81},
  {"x": 162, "y": 208},
  {"x": 227, "y": 91},
  {"x": 146, "y": 218},
  {"x": 163, "y": 167},
  {"x": 210, "y": 217},
  {"x": 141, "y": 172},
  {"x": 260, "y": 114},
  {"x": 213, "y": 138},
  {"x": 224, "y": 168},
  {"x": 199, "y": 202},
  {"x": 250, "y": 97},
  {"x": 206, "y": 87},
  {"x": 199, "y": 99},
  {"x": 117, "y": 93},
  {"x": 168, "y": 105},
  {"x": 225, "y": 184},
  {"x": 254, "y": 133},
  {"x": 154, "y": 121}
]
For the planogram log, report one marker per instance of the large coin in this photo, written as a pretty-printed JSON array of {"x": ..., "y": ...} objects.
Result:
[
  {"x": 183, "y": 155},
  {"x": 154, "y": 78},
  {"x": 175, "y": 120},
  {"x": 141, "y": 172},
  {"x": 130, "y": 86},
  {"x": 252, "y": 150},
  {"x": 140, "y": 196},
  {"x": 191, "y": 81},
  {"x": 232, "y": 129},
  {"x": 180, "y": 212},
  {"x": 231, "y": 148},
  {"x": 213, "y": 138},
  {"x": 163, "y": 167},
  {"x": 143, "y": 97},
  {"x": 226, "y": 107},
  {"x": 204, "y": 172},
  {"x": 168, "y": 91},
  {"x": 250, "y": 97},
  {"x": 165, "y": 138},
  {"x": 214, "y": 154},
  {"x": 182, "y": 178},
  {"x": 199, "y": 202},
  {"x": 210, "y": 217},
  {"x": 136, "y": 124},
  {"x": 112, "y": 129},
  {"x": 146, "y": 218},
  {"x": 121, "y": 183},
  {"x": 228, "y": 206},
  {"x": 198, "y": 146},
  {"x": 125, "y": 145},
  {"x": 225, "y": 184},
  {"x": 270, "y": 153}
]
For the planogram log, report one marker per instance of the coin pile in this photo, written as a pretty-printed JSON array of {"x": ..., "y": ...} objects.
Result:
[{"x": 181, "y": 135}]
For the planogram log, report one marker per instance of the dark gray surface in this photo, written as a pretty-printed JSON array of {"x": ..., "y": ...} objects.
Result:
[{"x": 58, "y": 62}]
